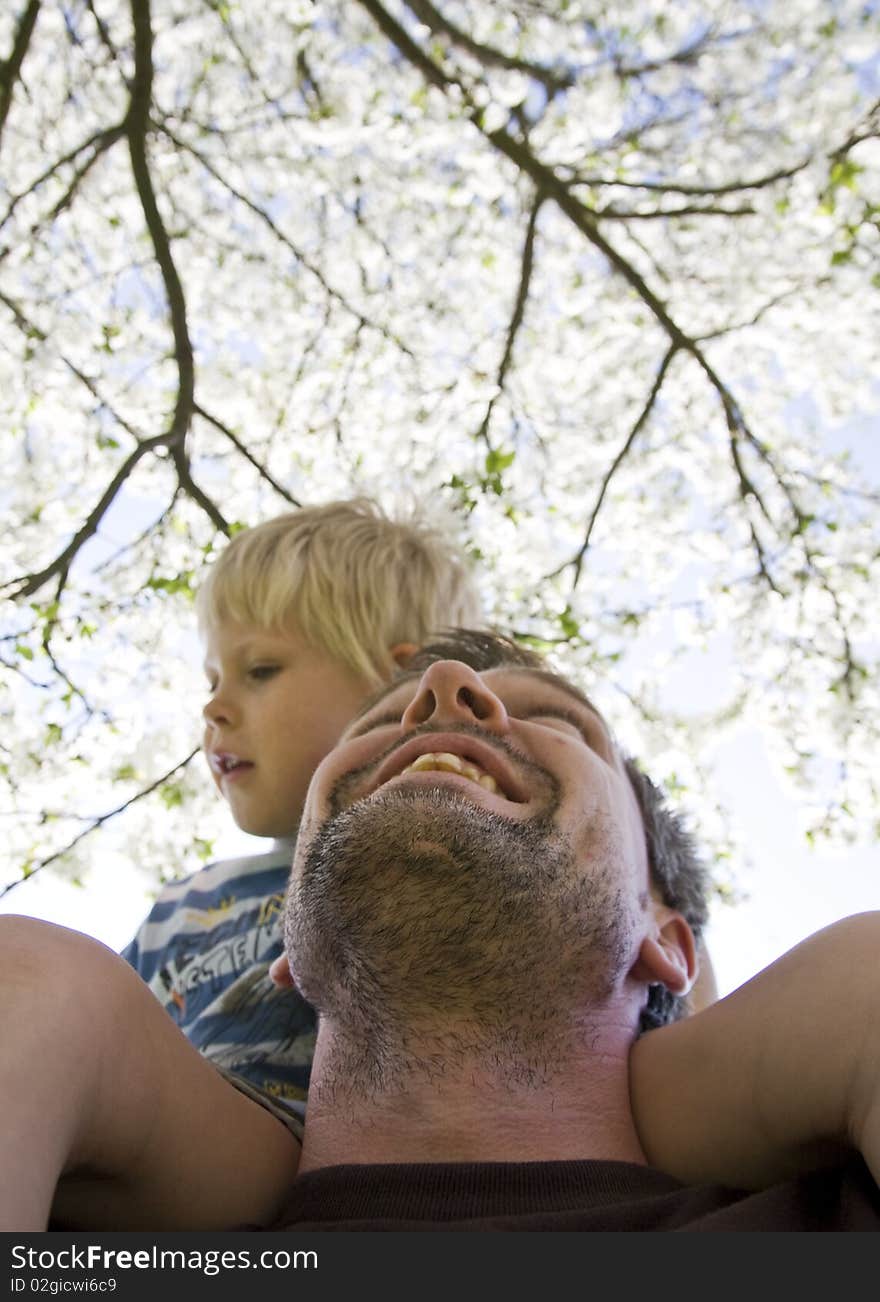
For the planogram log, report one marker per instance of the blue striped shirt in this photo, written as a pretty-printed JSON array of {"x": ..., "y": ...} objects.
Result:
[{"x": 204, "y": 951}]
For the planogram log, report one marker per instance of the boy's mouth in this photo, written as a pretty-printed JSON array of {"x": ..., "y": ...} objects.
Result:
[{"x": 223, "y": 763}]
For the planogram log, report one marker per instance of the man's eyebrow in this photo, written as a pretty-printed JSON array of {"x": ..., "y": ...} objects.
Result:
[{"x": 525, "y": 671}]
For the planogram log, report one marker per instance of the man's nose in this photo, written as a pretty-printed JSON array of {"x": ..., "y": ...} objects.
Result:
[{"x": 451, "y": 692}]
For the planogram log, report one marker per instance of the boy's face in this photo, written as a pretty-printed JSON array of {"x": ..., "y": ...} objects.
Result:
[{"x": 277, "y": 707}]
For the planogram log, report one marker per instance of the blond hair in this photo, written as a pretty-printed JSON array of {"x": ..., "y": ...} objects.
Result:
[{"x": 352, "y": 580}]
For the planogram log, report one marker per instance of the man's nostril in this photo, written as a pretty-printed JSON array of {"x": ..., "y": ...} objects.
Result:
[
  {"x": 471, "y": 701},
  {"x": 426, "y": 707}
]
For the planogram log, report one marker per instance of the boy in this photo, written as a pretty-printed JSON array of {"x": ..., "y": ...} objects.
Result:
[{"x": 302, "y": 617}]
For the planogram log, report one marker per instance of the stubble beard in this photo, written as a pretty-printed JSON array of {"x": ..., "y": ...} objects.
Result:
[{"x": 432, "y": 932}]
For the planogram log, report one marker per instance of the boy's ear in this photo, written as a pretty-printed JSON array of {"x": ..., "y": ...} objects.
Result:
[
  {"x": 279, "y": 972},
  {"x": 401, "y": 652},
  {"x": 668, "y": 956}
]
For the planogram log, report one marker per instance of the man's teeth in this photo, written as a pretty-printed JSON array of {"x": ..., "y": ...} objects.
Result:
[{"x": 443, "y": 762}]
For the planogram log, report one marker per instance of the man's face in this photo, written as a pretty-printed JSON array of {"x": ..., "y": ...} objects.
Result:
[
  {"x": 468, "y": 823},
  {"x": 277, "y": 706}
]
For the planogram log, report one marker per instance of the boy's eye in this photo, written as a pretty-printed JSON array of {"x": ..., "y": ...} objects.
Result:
[{"x": 262, "y": 672}]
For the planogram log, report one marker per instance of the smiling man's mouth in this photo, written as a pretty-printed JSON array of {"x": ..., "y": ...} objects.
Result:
[
  {"x": 466, "y": 755},
  {"x": 445, "y": 762}
]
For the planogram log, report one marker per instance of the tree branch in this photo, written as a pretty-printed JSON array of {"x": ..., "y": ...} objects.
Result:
[
  {"x": 687, "y": 54},
  {"x": 519, "y": 307},
  {"x": 101, "y": 140},
  {"x": 27, "y": 585},
  {"x": 106, "y": 41},
  {"x": 32, "y": 331},
  {"x": 49, "y": 627},
  {"x": 696, "y": 191},
  {"x": 439, "y": 24},
  {"x": 134, "y": 543},
  {"x": 399, "y": 37},
  {"x": 687, "y": 210},
  {"x": 577, "y": 560},
  {"x": 868, "y": 129},
  {"x": 137, "y": 125},
  {"x": 31, "y": 583},
  {"x": 193, "y": 490},
  {"x": 283, "y": 239},
  {"x": 10, "y": 68},
  {"x": 100, "y": 821},
  {"x": 586, "y": 222},
  {"x": 548, "y": 183},
  {"x": 240, "y": 447}
]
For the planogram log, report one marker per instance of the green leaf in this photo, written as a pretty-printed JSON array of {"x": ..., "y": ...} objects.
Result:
[
  {"x": 844, "y": 172},
  {"x": 569, "y": 625},
  {"x": 674, "y": 786},
  {"x": 172, "y": 795},
  {"x": 178, "y": 583},
  {"x": 497, "y": 462}
]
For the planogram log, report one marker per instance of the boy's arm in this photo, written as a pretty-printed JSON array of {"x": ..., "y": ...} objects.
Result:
[
  {"x": 108, "y": 1117},
  {"x": 776, "y": 1078}
]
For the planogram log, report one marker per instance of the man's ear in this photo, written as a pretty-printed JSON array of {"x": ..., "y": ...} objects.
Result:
[
  {"x": 279, "y": 972},
  {"x": 668, "y": 956},
  {"x": 401, "y": 652}
]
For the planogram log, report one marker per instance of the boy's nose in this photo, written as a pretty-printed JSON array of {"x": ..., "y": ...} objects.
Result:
[
  {"x": 451, "y": 692},
  {"x": 218, "y": 710}
]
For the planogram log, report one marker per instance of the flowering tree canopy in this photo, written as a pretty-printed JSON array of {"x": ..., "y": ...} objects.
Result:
[{"x": 602, "y": 279}]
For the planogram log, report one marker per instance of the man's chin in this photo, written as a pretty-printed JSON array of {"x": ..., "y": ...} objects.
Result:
[
  {"x": 413, "y": 916},
  {"x": 413, "y": 888}
]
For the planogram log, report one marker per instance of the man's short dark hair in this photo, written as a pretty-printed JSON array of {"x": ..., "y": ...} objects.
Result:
[{"x": 676, "y": 869}]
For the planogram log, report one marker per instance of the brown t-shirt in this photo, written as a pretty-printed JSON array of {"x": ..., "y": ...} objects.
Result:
[{"x": 576, "y": 1196}]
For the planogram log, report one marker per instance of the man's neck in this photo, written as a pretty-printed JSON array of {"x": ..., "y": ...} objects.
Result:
[{"x": 473, "y": 1110}]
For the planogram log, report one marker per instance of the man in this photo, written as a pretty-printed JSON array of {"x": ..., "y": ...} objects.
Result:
[
  {"x": 477, "y": 916},
  {"x": 478, "y": 834}
]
